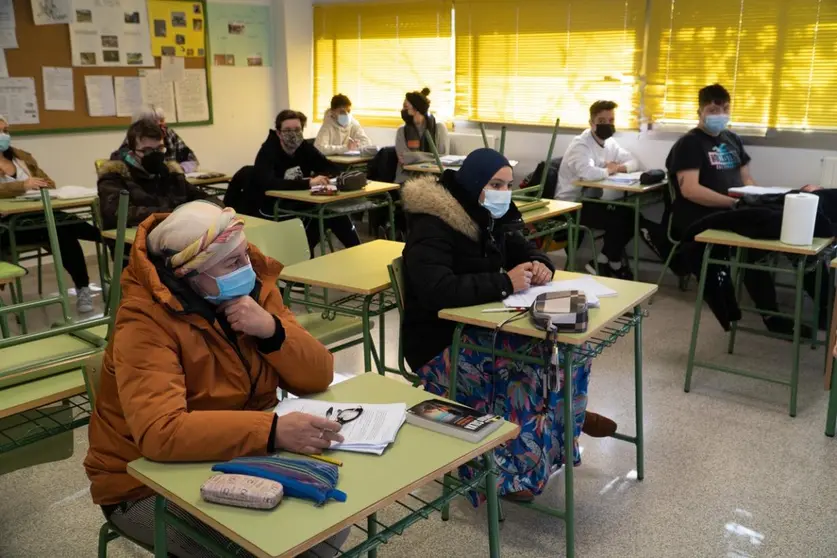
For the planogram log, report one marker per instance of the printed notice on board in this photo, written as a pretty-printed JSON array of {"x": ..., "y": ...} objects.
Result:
[
  {"x": 58, "y": 89},
  {"x": 8, "y": 32},
  {"x": 18, "y": 102},
  {"x": 110, "y": 33},
  {"x": 128, "y": 92},
  {"x": 101, "y": 100},
  {"x": 51, "y": 12},
  {"x": 158, "y": 93},
  {"x": 190, "y": 95}
]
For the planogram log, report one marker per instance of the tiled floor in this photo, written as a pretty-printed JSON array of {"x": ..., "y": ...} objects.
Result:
[{"x": 728, "y": 472}]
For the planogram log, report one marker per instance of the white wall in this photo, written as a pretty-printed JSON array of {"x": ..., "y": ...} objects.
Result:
[
  {"x": 771, "y": 165},
  {"x": 244, "y": 104}
]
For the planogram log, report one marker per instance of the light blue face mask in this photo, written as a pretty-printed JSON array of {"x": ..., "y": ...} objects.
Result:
[
  {"x": 5, "y": 141},
  {"x": 344, "y": 119},
  {"x": 716, "y": 123},
  {"x": 497, "y": 202},
  {"x": 234, "y": 284}
]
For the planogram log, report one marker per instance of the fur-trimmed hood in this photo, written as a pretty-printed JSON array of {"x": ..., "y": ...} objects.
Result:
[
  {"x": 425, "y": 195},
  {"x": 122, "y": 168}
]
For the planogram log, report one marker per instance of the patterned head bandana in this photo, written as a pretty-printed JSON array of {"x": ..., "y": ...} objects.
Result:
[{"x": 196, "y": 236}]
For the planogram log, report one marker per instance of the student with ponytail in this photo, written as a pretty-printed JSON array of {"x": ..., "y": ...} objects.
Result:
[{"x": 410, "y": 142}]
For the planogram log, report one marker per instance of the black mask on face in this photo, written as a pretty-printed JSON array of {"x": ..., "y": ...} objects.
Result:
[
  {"x": 405, "y": 116},
  {"x": 605, "y": 131},
  {"x": 154, "y": 163}
]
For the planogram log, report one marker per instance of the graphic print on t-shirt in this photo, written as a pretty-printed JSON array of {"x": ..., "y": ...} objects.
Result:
[
  {"x": 294, "y": 173},
  {"x": 721, "y": 158}
]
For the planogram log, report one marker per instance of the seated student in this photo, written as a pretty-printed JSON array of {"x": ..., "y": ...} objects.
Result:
[
  {"x": 287, "y": 162},
  {"x": 340, "y": 132},
  {"x": 154, "y": 184},
  {"x": 410, "y": 142},
  {"x": 20, "y": 173},
  {"x": 465, "y": 247},
  {"x": 176, "y": 148},
  {"x": 202, "y": 341},
  {"x": 595, "y": 155},
  {"x": 707, "y": 162}
]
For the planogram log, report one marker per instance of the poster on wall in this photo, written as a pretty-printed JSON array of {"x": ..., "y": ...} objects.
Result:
[
  {"x": 177, "y": 29},
  {"x": 239, "y": 34},
  {"x": 110, "y": 33},
  {"x": 52, "y": 12}
]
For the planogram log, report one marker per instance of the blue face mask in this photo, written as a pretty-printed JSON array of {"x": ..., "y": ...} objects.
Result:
[
  {"x": 235, "y": 284},
  {"x": 344, "y": 119},
  {"x": 716, "y": 123},
  {"x": 497, "y": 202},
  {"x": 5, "y": 141}
]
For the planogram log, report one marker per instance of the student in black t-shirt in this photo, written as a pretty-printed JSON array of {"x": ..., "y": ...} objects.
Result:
[
  {"x": 707, "y": 162},
  {"x": 287, "y": 162}
]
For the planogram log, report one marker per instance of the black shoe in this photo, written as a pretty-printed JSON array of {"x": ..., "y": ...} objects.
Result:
[
  {"x": 782, "y": 325},
  {"x": 623, "y": 272}
]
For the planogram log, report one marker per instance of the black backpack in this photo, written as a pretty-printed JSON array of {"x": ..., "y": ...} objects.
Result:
[
  {"x": 382, "y": 168},
  {"x": 239, "y": 191},
  {"x": 549, "y": 187}
]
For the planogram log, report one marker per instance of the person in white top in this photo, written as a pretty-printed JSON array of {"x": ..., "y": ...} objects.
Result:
[
  {"x": 594, "y": 155},
  {"x": 340, "y": 132}
]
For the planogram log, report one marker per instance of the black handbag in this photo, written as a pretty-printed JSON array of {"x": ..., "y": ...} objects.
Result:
[
  {"x": 351, "y": 181},
  {"x": 653, "y": 176}
]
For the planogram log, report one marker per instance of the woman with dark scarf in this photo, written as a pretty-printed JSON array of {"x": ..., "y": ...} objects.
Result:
[
  {"x": 410, "y": 142},
  {"x": 465, "y": 247}
]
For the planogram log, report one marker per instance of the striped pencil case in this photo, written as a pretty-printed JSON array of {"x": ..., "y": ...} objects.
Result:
[{"x": 301, "y": 478}]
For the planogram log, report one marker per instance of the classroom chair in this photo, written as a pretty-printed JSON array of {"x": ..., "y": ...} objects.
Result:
[
  {"x": 683, "y": 282},
  {"x": 396, "y": 277},
  {"x": 8, "y": 273},
  {"x": 285, "y": 241},
  {"x": 536, "y": 191}
]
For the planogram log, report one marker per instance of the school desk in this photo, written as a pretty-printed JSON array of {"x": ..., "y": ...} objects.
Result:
[
  {"x": 215, "y": 185},
  {"x": 805, "y": 258},
  {"x": 615, "y": 318},
  {"x": 323, "y": 208},
  {"x": 831, "y": 416},
  {"x": 416, "y": 459},
  {"x": 350, "y": 162},
  {"x": 547, "y": 217},
  {"x": 432, "y": 167},
  {"x": 635, "y": 196},
  {"x": 360, "y": 271}
]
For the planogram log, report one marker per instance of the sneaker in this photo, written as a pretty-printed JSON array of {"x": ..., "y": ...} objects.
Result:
[
  {"x": 784, "y": 326},
  {"x": 84, "y": 300}
]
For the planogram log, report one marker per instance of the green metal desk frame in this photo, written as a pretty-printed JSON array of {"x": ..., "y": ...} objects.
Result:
[
  {"x": 325, "y": 211},
  {"x": 632, "y": 201},
  {"x": 801, "y": 266},
  {"x": 572, "y": 355},
  {"x": 547, "y": 229}
]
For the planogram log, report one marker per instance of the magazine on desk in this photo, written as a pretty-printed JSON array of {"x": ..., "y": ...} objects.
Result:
[{"x": 451, "y": 419}]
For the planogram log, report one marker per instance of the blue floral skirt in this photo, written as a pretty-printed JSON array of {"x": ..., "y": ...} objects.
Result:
[{"x": 513, "y": 390}]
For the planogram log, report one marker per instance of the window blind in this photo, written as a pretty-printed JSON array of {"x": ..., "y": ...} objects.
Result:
[
  {"x": 530, "y": 61},
  {"x": 778, "y": 59},
  {"x": 376, "y": 52}
]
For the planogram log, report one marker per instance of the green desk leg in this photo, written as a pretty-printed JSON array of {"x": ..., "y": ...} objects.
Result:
[
  {"x": 569, "y": 423},
  {"x": 637, "y": 210},
  {"x": 321, "y": 226},
  {"x": 17, "y": 292},
  {"x": 391, "y": 206},
  {"x": 737, "y": 279},
  {"x": 797, "y": 333},
  {"x": 454, "y": 365},
  {"x": 372, "y": 530},
  {"x": 493, "y": 505},
  {"x": 367, "y": 335},
  {"x": 572, "y": 239},
  {"x": 160, "y": 543},
  {"x": 640, "y": 435},
  {"x": 690, "y": 363},
  {"x": 831, "y": 417},
  {"x": 382, "y": 368}
]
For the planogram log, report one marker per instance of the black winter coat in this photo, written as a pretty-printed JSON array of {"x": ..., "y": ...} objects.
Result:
[{"x": 456, "y": 255}]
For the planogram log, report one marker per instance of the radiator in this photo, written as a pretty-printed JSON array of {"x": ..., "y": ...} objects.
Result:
[
  {"x": 463, "y": 144},
  {"x": 828, "y": 178}
]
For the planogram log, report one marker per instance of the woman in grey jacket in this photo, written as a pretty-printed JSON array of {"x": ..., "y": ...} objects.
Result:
[{"x": 410, "y": 142}]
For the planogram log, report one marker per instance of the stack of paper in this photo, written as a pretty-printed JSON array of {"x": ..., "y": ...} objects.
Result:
[
  {"x": 758, "y": 190},
  {"x": 374, "y": 430},
  {"x": 626, "y": 178},
  {"x": 62, "y": 193},
  {"x": 592, "y": 289},
  {"x": 452, "y": 160}
]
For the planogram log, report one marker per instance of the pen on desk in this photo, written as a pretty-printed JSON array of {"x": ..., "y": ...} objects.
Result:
[
  {"x": 507, "y": 309},
  {"x": 326, "y": 459}
]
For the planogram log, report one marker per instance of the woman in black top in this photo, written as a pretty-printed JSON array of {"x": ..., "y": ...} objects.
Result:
[{"x": 465, "y": 246}]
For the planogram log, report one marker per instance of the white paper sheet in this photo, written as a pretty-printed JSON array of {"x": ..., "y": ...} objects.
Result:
[
  {"x": 173, "y": 68},
  {"x": 128, "y": 91},
  {"x": 4, "y": 69},
  {"x": 7, "y": 14},
  {"x": 759, "y": 190},
  {"x": 107, "y": 33},
  {"x": 52, "y": 12},
  {"x": 8, "y": 39},
  {"x": 101, "y": 100},
  {"x": 158, "y": 93},
  {"x": 18, "y": 101},
  {"x": 63, "y": 193},
  {"x": 591, "y": 288},
  {"x": 58, "y": 89},
  {"x": 190, "y": 96}
]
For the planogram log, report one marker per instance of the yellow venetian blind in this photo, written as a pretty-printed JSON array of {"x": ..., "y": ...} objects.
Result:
[
  {"x": 777, "y": 58},
  {"x": 530, "y": 61},
  {"x": 375, "y": 52}
]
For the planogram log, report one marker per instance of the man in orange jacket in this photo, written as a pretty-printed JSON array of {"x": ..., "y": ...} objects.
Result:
[{"x": 202, "y": 342}]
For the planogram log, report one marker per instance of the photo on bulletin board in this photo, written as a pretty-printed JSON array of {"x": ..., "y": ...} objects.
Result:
[
  {"x": 239, "y": 34},
  {"x": 177, "y": 28}
]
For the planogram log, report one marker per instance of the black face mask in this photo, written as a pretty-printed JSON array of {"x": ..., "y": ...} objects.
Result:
[
  {"x": 605, "y": 131},
  {"x": 405, "y": 116},
  {"x": 155, "y": 163}
]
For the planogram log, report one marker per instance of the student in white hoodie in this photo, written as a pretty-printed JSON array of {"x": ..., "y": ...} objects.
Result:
[
  {"x": 595, "y": 155},
  {"x": 340, "y": 132}
]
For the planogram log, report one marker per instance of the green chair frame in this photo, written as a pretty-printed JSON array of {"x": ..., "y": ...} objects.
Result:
[
  {"x": 675, "y": 245},
  {"x": 396, "y": 277},
  {"x": 536, "y": 191},
  {"x": 502, "y": 149}
]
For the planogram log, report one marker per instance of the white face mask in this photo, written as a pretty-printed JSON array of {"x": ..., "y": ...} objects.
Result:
[
  {"x": 497, "y": 202},
  {"x": 344, "y": 119}
]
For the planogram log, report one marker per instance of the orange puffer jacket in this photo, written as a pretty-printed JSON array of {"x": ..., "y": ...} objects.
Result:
[{"x": 175, "y": 387}]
